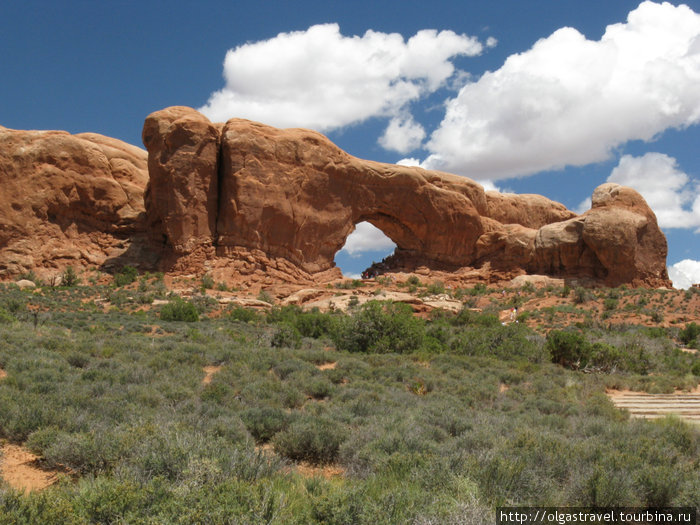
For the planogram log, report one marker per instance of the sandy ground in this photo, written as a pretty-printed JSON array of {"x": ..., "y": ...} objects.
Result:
[
  {"x": 209, "y": 371},
  {"x": 327, "y": 366},
  {"x": 18, "y": 467},
  {"x": 3, "y": 374}
]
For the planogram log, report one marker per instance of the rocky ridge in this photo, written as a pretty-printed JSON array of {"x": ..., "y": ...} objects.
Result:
[{"x": 245, "y": 200}]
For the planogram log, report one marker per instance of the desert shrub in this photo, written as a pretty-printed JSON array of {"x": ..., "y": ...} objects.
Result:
[
  {"x": 316, "y": 440},
  {"x": 179, "y": 310},
  {"x": 610, "y": 304},
  {"x": 470, "y": 317},
  {"x": 509, "y": 342},
  {"x": 69, "y": 278},
  {"x": 78, "y": 359},
  {"x": 5, "y": 316},
  {"x": 207, "y": 282},
  {"x": 690, "y": 333},
  {"x": 309, "y": 324},
  {"x": 127, "y": 275},
  {"x": 380, "y": 328},
  {"x": 265, "y": 297},
  {"x": 581, "y": 295},
  {"x": 572, "y": 350},
  {"x": 264, "y": 422},
  {"x": 567, "y": 348},
  {"x": 437, "y": 287},
  {"x": 413, "y": 280},
  {"x": 528, "y": 288},
  {"x": 246, "y": 315},
  {"x": 286, "y": 336},
  {"x": 314, "y": 323}
]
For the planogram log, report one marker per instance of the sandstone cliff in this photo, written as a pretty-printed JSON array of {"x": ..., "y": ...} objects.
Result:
[
  {"x": 67, "y": 199},
  {"x": 245, "y": 198},
  {"x": 293, "y": 195}
]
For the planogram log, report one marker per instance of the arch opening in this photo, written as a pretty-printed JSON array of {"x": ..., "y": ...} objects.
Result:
[{"x": 365, "y": 246}]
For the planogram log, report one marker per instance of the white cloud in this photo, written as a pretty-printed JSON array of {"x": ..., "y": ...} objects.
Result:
[
  {"x": 367, "y": 238},
  {"x": 673, "y": 195},
  {"x": 490, "y": 186},
  {"x": 410, "y": 161},
  {"x": 323, "y": 80},
  {"x": 685, "y": 273},
  {"x": 571, "y": 101},
  {"x": 584, "y": 206},
  {"x": 491, "y": 42},
  {"x": 403, "y": 134}
]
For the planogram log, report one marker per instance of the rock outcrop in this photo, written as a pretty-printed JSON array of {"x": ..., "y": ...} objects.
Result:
[
  {"x": 67, "y": 199},
  {"x": 248, "y": 199},
  {"x": 292, "y": 195}
]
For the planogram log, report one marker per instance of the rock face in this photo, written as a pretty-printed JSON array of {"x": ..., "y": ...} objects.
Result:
[
  {"x": 67, "y": 199},
  {"x": 248, "y": 199},
  {"x": 293, "y": 195},
  {"x": 182, "y": 196}
]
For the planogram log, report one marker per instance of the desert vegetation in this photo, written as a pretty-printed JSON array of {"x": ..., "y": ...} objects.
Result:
[{"x": 423, "y": 420}]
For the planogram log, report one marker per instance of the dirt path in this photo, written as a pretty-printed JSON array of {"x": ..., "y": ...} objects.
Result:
[
  {"x": 652, "y": 406},
  {"x": 18, "y": 468},
  {"x": 210, "y": 371},
  {"x": 326, "y": 366},
  {"x": 3, "y": 374}
]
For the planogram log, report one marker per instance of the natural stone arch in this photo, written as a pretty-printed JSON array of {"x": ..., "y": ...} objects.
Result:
[{"x": 292, "y": 196}]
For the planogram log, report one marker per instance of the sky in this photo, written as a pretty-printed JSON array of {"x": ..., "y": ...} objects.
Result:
[{"x": 553, "y": 97}]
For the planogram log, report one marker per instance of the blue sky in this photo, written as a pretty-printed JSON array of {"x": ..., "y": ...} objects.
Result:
[{"x": 552, "y": 97}]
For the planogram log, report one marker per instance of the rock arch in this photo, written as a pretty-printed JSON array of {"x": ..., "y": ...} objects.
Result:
[{"x": 292, "y": 195}]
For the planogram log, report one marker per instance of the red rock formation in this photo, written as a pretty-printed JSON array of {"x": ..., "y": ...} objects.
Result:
[
  {"x": 293, "y": 194},
  {"x": 248, "y": 199},
  {"x": 182, "y": 196},
  {"x": 67, "y": 199}
]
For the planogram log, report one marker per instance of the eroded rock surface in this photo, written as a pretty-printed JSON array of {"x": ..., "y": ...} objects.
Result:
[
  {"x": 246, "y": 199},
  {"x": 67, "y": 199},
  {"x": 292, "y": 195}
]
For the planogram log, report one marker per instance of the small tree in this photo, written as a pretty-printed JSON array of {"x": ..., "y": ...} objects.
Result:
[{"x": 69, "y": 277}]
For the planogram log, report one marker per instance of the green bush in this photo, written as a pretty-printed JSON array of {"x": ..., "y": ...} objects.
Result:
[
  {"x": 316, "y": 440},
  {"x": 286, "y": 336},
  {"x": 581, "y": 295},
  {"x": 435, "y": 288},
  {"x": 690, "y": 333},
  {"x": 264, "y": 422},
  {"x": 127, "y": 275},
  {"x": 246, "y": 315},
  {"x": 610, "y": 304},
  {"x": 5, "y": 316},
  {"x": 179, "y": 310},
  {"x": 380, "y": 328},
  {"x": 568, "y": 349},
  {"x": 69, "y": 278}
]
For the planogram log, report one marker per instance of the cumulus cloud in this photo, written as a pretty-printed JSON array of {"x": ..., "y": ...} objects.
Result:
[
  {"x": 409, "y": 161},
  {"x": 685, "y": 273},
  {"x": 403, "y": 134},
  {"x": 324, "y": 80},
  {"x": 673, "y": 195},
  {"x": 367, "y": 238},
  {"x": 570, "y": 101}
]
